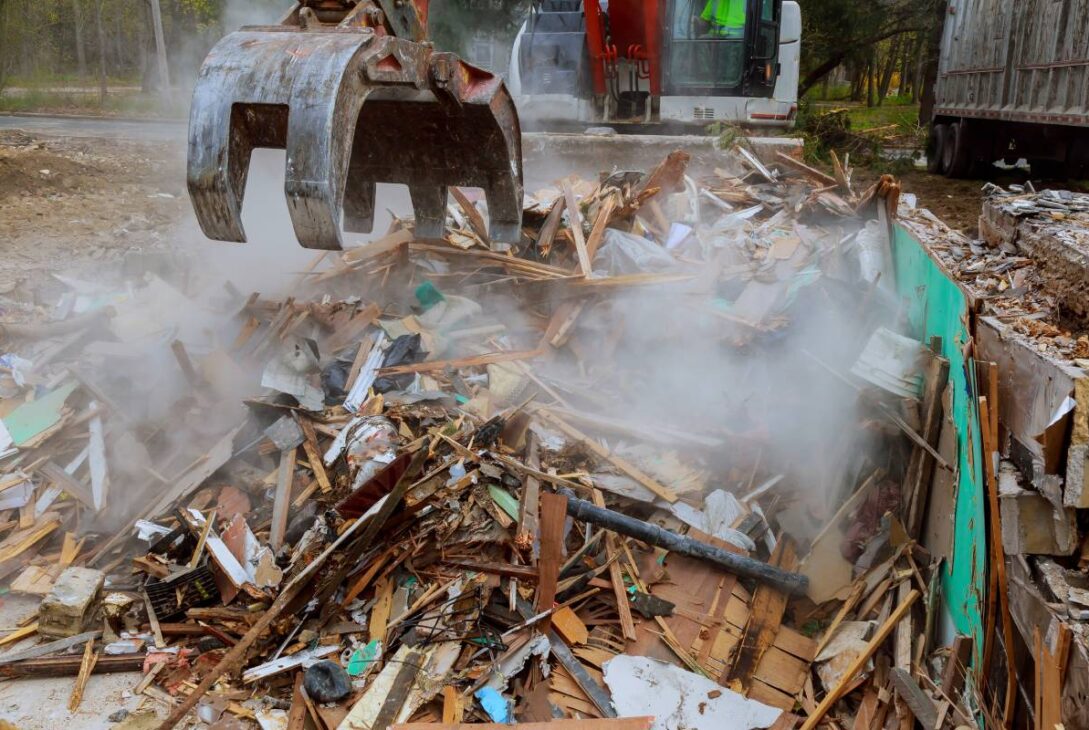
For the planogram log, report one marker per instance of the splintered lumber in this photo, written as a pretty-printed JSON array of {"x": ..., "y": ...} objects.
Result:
[
  {"x": 599, "y": 723},
  {"x": 234, "y": 658},
  {"x": 528, "y": 507},
  {"x": 452, "y": 709},
  {"x": 623, "y": 465},
  {"x": 85, "y": 666},
  {"x": 921, "y": 464},
  {"x": 50, "y": 648},
  {"x": 282, "y": 501},
  {"x": 616, "y": 577},
  {"x": 784, "y": 580},
  {"x": 594, "y": 691},
  {"x": 576, "y": 228},
  {"x": 476, "y": 221},
  {"x": 1050, "y": 674},
  {"x": 296, "y": 716},
  {"x": 913, "y": 696},
  {"x": 66, "y": 666},
  {"x": 957, "y": 666},
  {"x": 598, "y": 231},
  {"x": 19, "y": 634},
  {"x": 988, "y": 412},
  {"x": 430, "y": 366},
  {"x": 765, "y": 617},
  {"x": 847, "y": 678},
  {"x": 553, "y": 515},
  {"x": 813, "y": 174},
  {"x": 313, "y": 453}
]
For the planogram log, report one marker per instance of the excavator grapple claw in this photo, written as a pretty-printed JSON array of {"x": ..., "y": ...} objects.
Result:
[{"x": 352, "y": 108}]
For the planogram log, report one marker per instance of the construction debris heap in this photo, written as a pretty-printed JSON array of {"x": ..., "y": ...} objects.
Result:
[{"x": 662, "y": 464}]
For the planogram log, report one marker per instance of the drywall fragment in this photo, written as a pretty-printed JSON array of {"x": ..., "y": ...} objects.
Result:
[{"x": 680, "y": 699}]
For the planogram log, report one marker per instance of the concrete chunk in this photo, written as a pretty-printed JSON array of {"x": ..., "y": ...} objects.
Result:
[
  {"x": 68, "y": 607},
  {"x": 1032, "y": 524}
]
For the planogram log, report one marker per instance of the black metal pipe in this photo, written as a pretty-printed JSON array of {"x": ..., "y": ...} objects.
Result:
[{"x": 792, "y": 583}]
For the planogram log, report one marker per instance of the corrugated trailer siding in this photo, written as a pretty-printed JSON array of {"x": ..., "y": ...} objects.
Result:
[{"x": 1024, "y": 60}]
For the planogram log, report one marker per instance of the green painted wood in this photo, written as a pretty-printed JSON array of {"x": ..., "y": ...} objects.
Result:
[
  {"x": 30, "y": 419},
  {"x": 936, "y": 306}
]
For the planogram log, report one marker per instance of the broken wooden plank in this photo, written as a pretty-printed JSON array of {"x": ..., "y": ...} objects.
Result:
[
  {"x": 87, "y": 663},
  {"x": 49, "y": 648},
  {"x": 66, "y": 666},
  {"x": 860, "y": 661},
  {"x": 765, "y": 617},
  {"x": 597, "y": 233},
  {"x": 616, "y": 577},
  {"x": 553, "y": 516},
  {"x": 529, "y": 506},
  {"x": 476, "y": 220},
  {"x": 575, "y": 225},
  {"x": 956, "y": 666},
  {"x": 921, "y": 705},
  {"x": 282, "y": 501},
  {"x": 313, "y": 453},
  {"x": 812, "y": 173}
]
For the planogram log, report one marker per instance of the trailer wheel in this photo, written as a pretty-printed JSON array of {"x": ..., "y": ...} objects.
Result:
[
  {"x": 935, "y": 148},
  {"x": 1048, "y": 169},
  {"x": 958, "y": 147}
]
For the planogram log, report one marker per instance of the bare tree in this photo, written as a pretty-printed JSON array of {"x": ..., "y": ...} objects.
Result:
[
  {"x": 81, "y": 45},
  {"x": 101, "y": 52}
]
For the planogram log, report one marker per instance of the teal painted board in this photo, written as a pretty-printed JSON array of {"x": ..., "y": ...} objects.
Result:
[
  {"x": 30, "y": 419},
  {"x": 936, "y": 306}
]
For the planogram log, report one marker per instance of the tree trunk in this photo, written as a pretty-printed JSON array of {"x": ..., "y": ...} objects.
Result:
[
  {"x": 890, "y": 68},
  {"x": 930, "y": 69},
  {"x": 917, "y": 74},
  {"x": 101, "y": 52},
  {"x": 870, "y": 80},
  {"x": 81, "y": 45},
  {"x": 857, "y": 77}
]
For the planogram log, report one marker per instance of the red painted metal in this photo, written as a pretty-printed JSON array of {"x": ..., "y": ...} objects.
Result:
[
  {"x": 652, "y": 19},
  {"x": 596, "y": 44}
]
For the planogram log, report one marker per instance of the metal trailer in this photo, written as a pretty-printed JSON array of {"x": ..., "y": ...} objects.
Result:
[{"x": 1013, "y": 82}]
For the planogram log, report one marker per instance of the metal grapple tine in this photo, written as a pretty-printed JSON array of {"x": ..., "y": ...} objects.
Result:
[{"x": 351, "y": 109}]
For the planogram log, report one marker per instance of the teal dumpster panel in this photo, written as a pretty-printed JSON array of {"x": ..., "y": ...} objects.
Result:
[{"x": 936, "y": 306}]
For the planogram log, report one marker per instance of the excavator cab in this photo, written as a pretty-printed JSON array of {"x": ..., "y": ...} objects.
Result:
[{"x": 355, "y": 95}]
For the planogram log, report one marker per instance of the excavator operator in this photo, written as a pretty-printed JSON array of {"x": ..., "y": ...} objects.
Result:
[{"x": 724, "y": 18}]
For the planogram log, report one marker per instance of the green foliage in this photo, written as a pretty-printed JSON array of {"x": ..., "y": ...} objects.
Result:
[{"x": 726, "y": 134}]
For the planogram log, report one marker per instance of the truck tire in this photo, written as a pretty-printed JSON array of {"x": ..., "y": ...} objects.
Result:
[
  {"x": 958, "y": 158},
  {"x": 1048, "y": 169},
  {"x": 935, "y": 148}
]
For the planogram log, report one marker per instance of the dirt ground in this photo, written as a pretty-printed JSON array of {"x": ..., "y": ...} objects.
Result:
[{"x": 67, "y": 206}]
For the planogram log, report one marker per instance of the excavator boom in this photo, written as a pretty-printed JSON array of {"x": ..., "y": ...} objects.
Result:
[{"x": 354, "y": 102}]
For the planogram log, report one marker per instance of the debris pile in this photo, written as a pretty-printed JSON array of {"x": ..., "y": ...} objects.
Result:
[{"x": 668, "y": 459}]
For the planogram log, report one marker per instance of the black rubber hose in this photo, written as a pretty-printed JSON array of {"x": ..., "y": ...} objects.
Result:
[{"x": 792, "y": 583}]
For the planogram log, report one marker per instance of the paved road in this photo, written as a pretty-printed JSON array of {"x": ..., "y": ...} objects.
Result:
[{"x": 64, "y": 126}]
